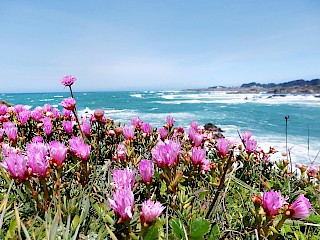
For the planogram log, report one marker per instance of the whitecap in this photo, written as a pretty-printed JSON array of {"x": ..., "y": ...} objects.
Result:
[{"x": 136, "y": 95}]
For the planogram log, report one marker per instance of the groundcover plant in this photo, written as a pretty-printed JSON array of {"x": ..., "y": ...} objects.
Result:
[{"x": 65, "y": 176}]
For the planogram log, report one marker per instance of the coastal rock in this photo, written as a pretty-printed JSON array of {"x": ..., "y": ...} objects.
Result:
[
  {"x": 216, "y": 130},
  {"x": 5, "y": 103}
]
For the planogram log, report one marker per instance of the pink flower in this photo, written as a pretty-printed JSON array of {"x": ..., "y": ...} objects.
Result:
[
  {"x": 122, "y": 151},
  {"x": 47, "y": 125},
  {"x": 124, "y": 178},
  {"x": 19, "y": 108},
  {"x": 36, "y": 115},
  {"x": 55, "y": 113},
  {"x": 122, "y": 203},
  {"x": 251, "y": 145},
  {"x": 151, "y": 210},
  {"x": 3, "y": 109},
  {"x": 24, "y": 116},
  {"x": 98, "y": 114},
  {"x": 86, "y": 128},
  {"x": 47, "y": 108},
  {"x": 146, "y": 170},
  {"x": 197, "y": 139},
  {"x": 11, "y": 131},
  {"x": 16, "y": 165},
  {"x": 300, "y": 208},
  {"x": 58, "y": 152},
  {"x": 67, "y": 126},
  {"x": 68, "y": 103},
  {"x": 66, "y": 113},
  {"x": 1, "y": 134},
  {"x": 166, "y": 154},
  {"x": 163, "y": 133},
  {"x": 79, "y": 148},
  {"x": 246, "y": 136},
  {"x": 312, "y": 171},
  {"x": 146, "y": 128},
  {"x": 136, "y": 122},
  {"x": 169, "y": 121},
  {"x": 7, "y": 150},
  {"x": 37, "y": 159},
  {"x": 37, "y": 139},
  {"x": 223, "y": 146},
  {"x": 68, "y": 80},
  {"x": 197, "y": 156},
  {"x": 205, "y": 165},
  {"x": 128, "y": 132},
  {"x": 194, "y": 125},
  {"x": 272, "y": 202}
]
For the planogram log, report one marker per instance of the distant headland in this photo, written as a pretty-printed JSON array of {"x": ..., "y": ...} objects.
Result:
[{"x": 292, "y": 87}]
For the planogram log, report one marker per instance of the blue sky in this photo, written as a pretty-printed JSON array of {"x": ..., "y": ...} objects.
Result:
[{"x": 156, "y": 45}]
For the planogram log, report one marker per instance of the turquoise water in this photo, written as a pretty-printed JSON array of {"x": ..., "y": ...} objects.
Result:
[{"x": 262, "y": 114}]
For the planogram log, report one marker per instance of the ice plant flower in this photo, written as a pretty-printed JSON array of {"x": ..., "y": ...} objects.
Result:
[
  {"x": 66, "y": 113},
  {"x": 197, "y": 156},
  {"x": 223, "y": 146},
  {"x": 11, "y": 133},
  {"x": 98, "y": 114},
  {"x": 36, "y": 115},
  {"x": 251, "y": 145},
  {"x": 136, "y": 122},
  {"x": 16, "y": 165},
  {"x": 79, "y": 148},
  {"x": 170, "y": 121},
  {"x": 205, "y": 165},
  {"x": 122, "y": 151},
  {"x": 128, "y": 132},
  {"x": 55, "y": 113},
  {"x": 19, "y": 108},
  {"x": 67, "y": 126},
  {"x": 68, "y": 103},
  {"x": 36, "y": 139},
  {"x": 163, "y": 133},
  {"x": 58, "y": 152},
  {"x": 37, "y": 159},
  {"x": 146, "y": 170},
  {"x": 197, "y": 139},
  {"x": 68, "y": 80},
  {"x": 194, "y": 125},
  {"x": 24, "y": 116},
  {"x": 166, "y": 154},
  {"x": 47, "y": 125},
  {"x": 300, "y": 208},
  {"x": 146, "y": 128},
  {"x": 151, "y": 210},
  {"x": 312, "y": 171},
  {"x": 122, "y": 203},
  {"x": 123, "y": 178},
  {"x": 246, "y": 136},
  {"x": 272, "y": 202},
  {"x": 86, "y": 128},
  {"x": 1, "y": 134},
  {"x": 3, "y": 109}
]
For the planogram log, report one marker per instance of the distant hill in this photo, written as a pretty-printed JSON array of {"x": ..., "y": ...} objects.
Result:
[{"x": 294, "y": 83}]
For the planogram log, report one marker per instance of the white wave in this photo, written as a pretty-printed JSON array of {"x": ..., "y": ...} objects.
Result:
[
  {"x": 136, "y": 95},
  {"x": 233, "y": 98},
  {"x": 27, "y": 106},
  {"x": 58, "y": 96},
  {"x": 46, "y": 100}
]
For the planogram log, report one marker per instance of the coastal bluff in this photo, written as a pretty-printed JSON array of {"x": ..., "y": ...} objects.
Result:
[{"x": 292, "y": 87}]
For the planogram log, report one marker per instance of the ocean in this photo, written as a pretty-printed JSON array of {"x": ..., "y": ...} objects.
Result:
[{"x": 263, "y": 114}]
